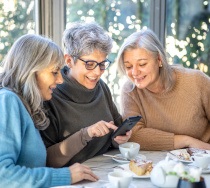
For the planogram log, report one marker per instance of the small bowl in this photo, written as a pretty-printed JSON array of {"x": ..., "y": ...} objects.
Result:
[{"x": 183, "y": 183}]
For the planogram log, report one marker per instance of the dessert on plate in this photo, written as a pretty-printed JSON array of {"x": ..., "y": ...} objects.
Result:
[
  {"x": 185, "y": 154},
  {"x": 140, "y": 167}
]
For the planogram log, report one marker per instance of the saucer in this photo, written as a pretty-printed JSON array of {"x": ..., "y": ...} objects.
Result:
[
  {"x": 139, "y": 156},
  {"x": 111, "y": 186},
  {"x": 204, "y": 170},
  {"x": 104, "y": 184}
]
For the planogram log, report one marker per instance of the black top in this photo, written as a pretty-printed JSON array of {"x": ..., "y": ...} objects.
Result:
[{"x": 74, "y": 107}]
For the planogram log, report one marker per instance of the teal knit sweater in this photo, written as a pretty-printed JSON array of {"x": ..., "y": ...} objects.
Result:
[{"x": 22, "y": 152}]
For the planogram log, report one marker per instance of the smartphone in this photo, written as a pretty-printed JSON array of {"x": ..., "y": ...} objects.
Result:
[{"x": 127, "y": 125}]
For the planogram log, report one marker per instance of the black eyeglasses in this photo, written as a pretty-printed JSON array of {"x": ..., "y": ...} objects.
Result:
[{"x": 90, "y": 64}]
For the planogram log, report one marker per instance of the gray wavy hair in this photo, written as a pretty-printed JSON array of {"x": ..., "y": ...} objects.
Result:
[
  {"x": 83, "y": 38},
  {"x": 148, "y": 40},
  {"x": 29, "y": 54}
]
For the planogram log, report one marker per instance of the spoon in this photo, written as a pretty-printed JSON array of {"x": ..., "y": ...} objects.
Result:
[{"x": 116, "y": 157}]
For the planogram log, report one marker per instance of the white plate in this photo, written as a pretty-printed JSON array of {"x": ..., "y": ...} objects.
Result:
[
  {"x": 174, "y": 154},
  {"x": 126, "y": 167},
  {"x": 139, "y": 156},
  {"x": 69, "y": 186},
  {"x": 111, "y": 186},
  {"x": 103, "y": 184}
]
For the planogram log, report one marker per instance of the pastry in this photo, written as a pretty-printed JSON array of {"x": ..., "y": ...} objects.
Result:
[
  {"x": 140, "y": 167},
  {"x": 184, "y": 156}
]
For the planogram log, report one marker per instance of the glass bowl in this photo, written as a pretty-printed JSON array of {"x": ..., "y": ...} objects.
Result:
[{"x": 183, "y": 183}]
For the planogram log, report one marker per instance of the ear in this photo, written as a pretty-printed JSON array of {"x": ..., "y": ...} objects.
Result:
[
  {"x": 68, "y": 60},
  {"x": 160, "y": 64}
]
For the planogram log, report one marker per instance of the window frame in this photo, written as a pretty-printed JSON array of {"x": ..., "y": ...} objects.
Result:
[{"x": 51, "y": 18}]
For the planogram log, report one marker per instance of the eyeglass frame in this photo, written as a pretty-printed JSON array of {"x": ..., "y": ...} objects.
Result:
[{"x": 97, "y": 64}]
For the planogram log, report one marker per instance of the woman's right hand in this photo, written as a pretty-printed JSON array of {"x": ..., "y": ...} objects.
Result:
[
  {"x": 100, "y": 128},
  {"x": 81, "y": 172}
]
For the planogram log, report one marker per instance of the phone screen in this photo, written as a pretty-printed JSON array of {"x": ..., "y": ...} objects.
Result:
[{"x": 127, "y": 125}]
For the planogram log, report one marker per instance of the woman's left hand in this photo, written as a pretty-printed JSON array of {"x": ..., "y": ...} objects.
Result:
[
  {"x": 123, "y": 139},
  {"x": 81, "y": 172}
]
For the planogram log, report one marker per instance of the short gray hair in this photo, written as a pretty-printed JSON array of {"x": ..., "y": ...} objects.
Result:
[
  {"x": 83, "y": 38},
  {"x": 29, "y": 54},
  {"x": 148, "y": 40}
]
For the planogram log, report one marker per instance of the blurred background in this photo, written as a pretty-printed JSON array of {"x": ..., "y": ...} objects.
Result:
[{"x": 182, "y": 26}]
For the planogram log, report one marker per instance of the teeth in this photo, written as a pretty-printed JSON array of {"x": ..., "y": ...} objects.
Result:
[
  {"x": 52, "y": 89},
  {"x": 92, "y": 78},
  {"x": 141, "y": 78}
]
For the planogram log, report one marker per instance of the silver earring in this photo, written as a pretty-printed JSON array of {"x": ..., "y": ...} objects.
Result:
[{"x": 161, "y": 65}]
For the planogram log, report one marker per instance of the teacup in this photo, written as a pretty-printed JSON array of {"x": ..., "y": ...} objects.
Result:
[
  {"x": 129, "y": 150},
  {"x": 201, "y": 160},
  {"x": 120, "y": 179}
]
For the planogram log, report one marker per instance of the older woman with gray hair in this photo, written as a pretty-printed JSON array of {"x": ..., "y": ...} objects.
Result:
[
  {"x": 31, "y": 71},
  {"x": 82, "y": 113},
  {"x": 173, "y": 101}
]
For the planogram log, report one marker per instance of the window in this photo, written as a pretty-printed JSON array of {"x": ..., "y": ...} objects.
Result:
[
  {"x": 16, "y": 19},
  {"x": 182, "y": 27},
  {"x": 188, "y": 37}
]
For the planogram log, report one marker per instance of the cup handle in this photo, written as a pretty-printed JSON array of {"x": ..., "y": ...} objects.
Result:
[
  {"x": 126, "y": 155},
  {"x": 116, "y": 184}
]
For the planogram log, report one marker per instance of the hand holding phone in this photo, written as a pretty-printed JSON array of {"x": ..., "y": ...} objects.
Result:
[{"x": 127, "y": 125}]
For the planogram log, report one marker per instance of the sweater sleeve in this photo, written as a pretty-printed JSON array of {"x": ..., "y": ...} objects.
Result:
[
  {"x": 59, "y": 152},
  {"x": 15, "y": 122},
  {"x": 204, "y": 82},
  {"x": 15, "y": 176},
  {"x": 148, "y": 138}
]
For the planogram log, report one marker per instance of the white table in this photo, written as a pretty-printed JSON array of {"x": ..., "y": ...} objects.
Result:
[{"x": 106, "y": 164}]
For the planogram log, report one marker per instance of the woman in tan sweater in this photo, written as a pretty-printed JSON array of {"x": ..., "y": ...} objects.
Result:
[{"x": 174, "y": 102}]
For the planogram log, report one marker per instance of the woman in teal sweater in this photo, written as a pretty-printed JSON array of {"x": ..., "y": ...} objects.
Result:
[{"x": 30, "y": 73}]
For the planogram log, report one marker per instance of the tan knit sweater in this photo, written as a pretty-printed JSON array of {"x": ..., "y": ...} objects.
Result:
[{"x": 185, "y": 110}]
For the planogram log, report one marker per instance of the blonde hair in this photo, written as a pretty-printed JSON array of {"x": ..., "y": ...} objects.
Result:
[{"x": 147, "y": 39}]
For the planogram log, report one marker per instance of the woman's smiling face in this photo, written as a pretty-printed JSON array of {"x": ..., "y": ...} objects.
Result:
[
  {"x": 47, "y": 80},
  {"x": 87, "y": 78},
  {"x": 142, "y": 67}
]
